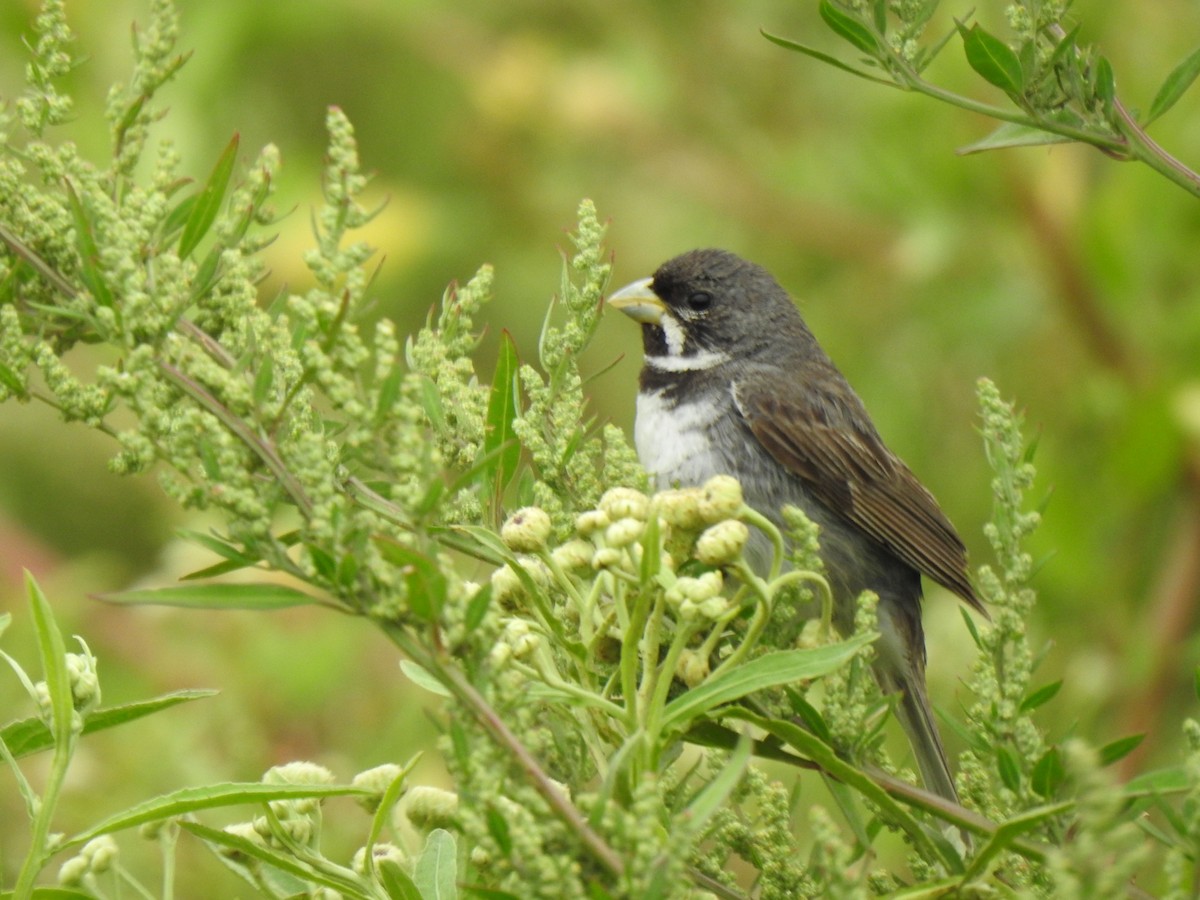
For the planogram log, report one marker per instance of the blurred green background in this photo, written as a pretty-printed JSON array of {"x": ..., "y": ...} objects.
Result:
[{"x": 1069, "y": 279}]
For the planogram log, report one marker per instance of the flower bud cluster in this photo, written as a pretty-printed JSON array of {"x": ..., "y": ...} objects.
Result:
[{"x": 96, "y": 858}]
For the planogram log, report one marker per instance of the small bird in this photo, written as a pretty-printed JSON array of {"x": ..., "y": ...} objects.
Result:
[{"x": 734, "y": 383}]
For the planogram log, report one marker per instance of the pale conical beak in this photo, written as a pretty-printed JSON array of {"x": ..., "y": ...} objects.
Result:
[{"x": 639, "y": 302}]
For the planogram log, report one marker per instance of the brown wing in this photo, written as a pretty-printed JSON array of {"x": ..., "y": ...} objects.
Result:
[{"x": 846, "y": 466}]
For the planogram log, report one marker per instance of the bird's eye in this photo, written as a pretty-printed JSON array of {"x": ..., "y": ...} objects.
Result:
[{"x": 699, "y": 300}]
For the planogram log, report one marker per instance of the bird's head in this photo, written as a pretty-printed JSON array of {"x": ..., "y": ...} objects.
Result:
[{"x": 705, "y": 307}]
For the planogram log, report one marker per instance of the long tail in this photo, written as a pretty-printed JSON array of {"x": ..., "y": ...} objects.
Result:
[{"x": 900, "y": 667}]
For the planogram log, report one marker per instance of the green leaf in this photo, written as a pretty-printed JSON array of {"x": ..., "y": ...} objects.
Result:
[
  {"x": 212, "y": 796},
  {"x": 849, "y": 28},
  {"x": 1010, "y": 135},
  {"x": 424, "y": 579},
  {"x": 478, "y": 607},
  {"x": 1175, "y": 86},
  {"x": 711, "y": 798},
  {"x": 51, "y": 893},
  {"x": 436, "y": 871},
  {"x": 767, "y": 671},
  {"x": 1161, "y": 781},
  {"x": 1006, "y": 766},
  {"x": 178, "y": 216},
  {"x": 264, "y": 380},
  {"x": 54, "y": 664},
  {"x": 396, "y": 881},
  {"x": 214, "y": 596},
  {"x": 89, "y": 254},
  {"x": 497, "y": 827},
  {"x": 421, "y": 677},
  {"x": 823, "y": 57},
  {"x": 809, "y": 715},
  {"x": 826, "y": 757},
  {"x": 31, "y": 735},
  {"x": 328, "y": 876},
  {"x": 1119, "y": 749},
  {"x": 208, "y": 202},
  {"x": 1006, "y": 835},
  {"x": 1041, "y": 696},
  {"x": 1048, "y": 774},
  {"x": 993, "y": 59},
  {"x": 503, "y": 405},
  {"x": 1105, "y": 84}
]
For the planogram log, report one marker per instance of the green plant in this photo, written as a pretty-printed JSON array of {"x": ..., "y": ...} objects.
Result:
[
  {"x": 1060, "y": 90},
  {"x": 610, "y": 666}
]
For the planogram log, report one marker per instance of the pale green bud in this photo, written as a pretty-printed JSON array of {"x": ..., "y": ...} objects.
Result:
[
  {"x": 681, "y": 508},
  {"x": 625, "y": 503},
  {"x": 506, "y": 584},
  {"x": 714, "y": 607},
  {"x": 430, "y": 807},
  {"x": 526, "y": 530},
  {"x": 523, "y": 639},
  {"x": 299, "y": 772},
  {"x": 606, "y": 558},
  {"x": 592, "y": 521},
  {"x": 624, "y": 532},
  {"x": 722, "y": 543},
  {"x": 380, "y": 853},
  {"x": 100, "y": 853},
  {"x": 377, "y": 781},
  {"x": 721, "y": 498},
  {"x": 574, "y": 554},
  {"x": 692, "y": 667}
]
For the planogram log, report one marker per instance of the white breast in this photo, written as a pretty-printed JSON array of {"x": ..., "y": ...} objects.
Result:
[{"x": 674, "y": 443}]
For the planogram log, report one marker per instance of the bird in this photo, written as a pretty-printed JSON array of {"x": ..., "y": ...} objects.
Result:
[{"x": 734, "y": 383}]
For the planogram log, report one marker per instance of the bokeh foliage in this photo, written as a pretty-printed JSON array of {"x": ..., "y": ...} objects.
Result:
[{"x": 1066, "y": 277}]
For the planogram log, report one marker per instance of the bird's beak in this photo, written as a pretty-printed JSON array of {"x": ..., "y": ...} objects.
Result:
[{"x": 639, "y": 302}]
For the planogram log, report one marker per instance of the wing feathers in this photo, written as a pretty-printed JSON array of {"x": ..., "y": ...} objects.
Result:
[{"x": 846, "y": 466}]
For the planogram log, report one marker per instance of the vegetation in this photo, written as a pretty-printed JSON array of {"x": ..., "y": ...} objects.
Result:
[{"x": 620, "y": 706}]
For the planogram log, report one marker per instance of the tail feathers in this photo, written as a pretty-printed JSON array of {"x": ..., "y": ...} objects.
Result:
[{"x": 916, "y": 717}]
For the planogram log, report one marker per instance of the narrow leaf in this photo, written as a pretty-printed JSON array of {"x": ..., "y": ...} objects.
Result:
[
  {"x": 30, "y": 735},
  {"x": 89, "y": 254},
  {"x": 1048, "y": 774},
  {"x": 497, "y": 827},
  {"x": 1175, "y": 86},
  {"x": 767, "y": 671},
  {"x": 993, "y": 59},
  {"x": 713, "y": 795},
  {"x": 188, "y": 800},
  {"x": 1119, "y": 749},
  {"x": 478, "y": 607},
  {"x": 1010, "y": 773},
  {"x": 424, "y": 579},
  {"x": 1040, "y": 696},
  {"x": 1106, "y": 87},
  {"x": 396, "y": 881},
  {"x": 328, "y": 876},
  {"x": 214, "y": 596},
  {"x": 503, "y": 404},
  {"x": 421, "y": 678},
  {"x": 1161, "y": 781},
  {"x": 208, "y": 202},
  {"x": 54, "y": 663},
  {"x": 825, "y": 756},
  {"x": 823, "y": 57},
  {"x": 849, "y": 28},
  {"x": 436, "y": 872},
  {"x": 1010, "y": 135}
]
